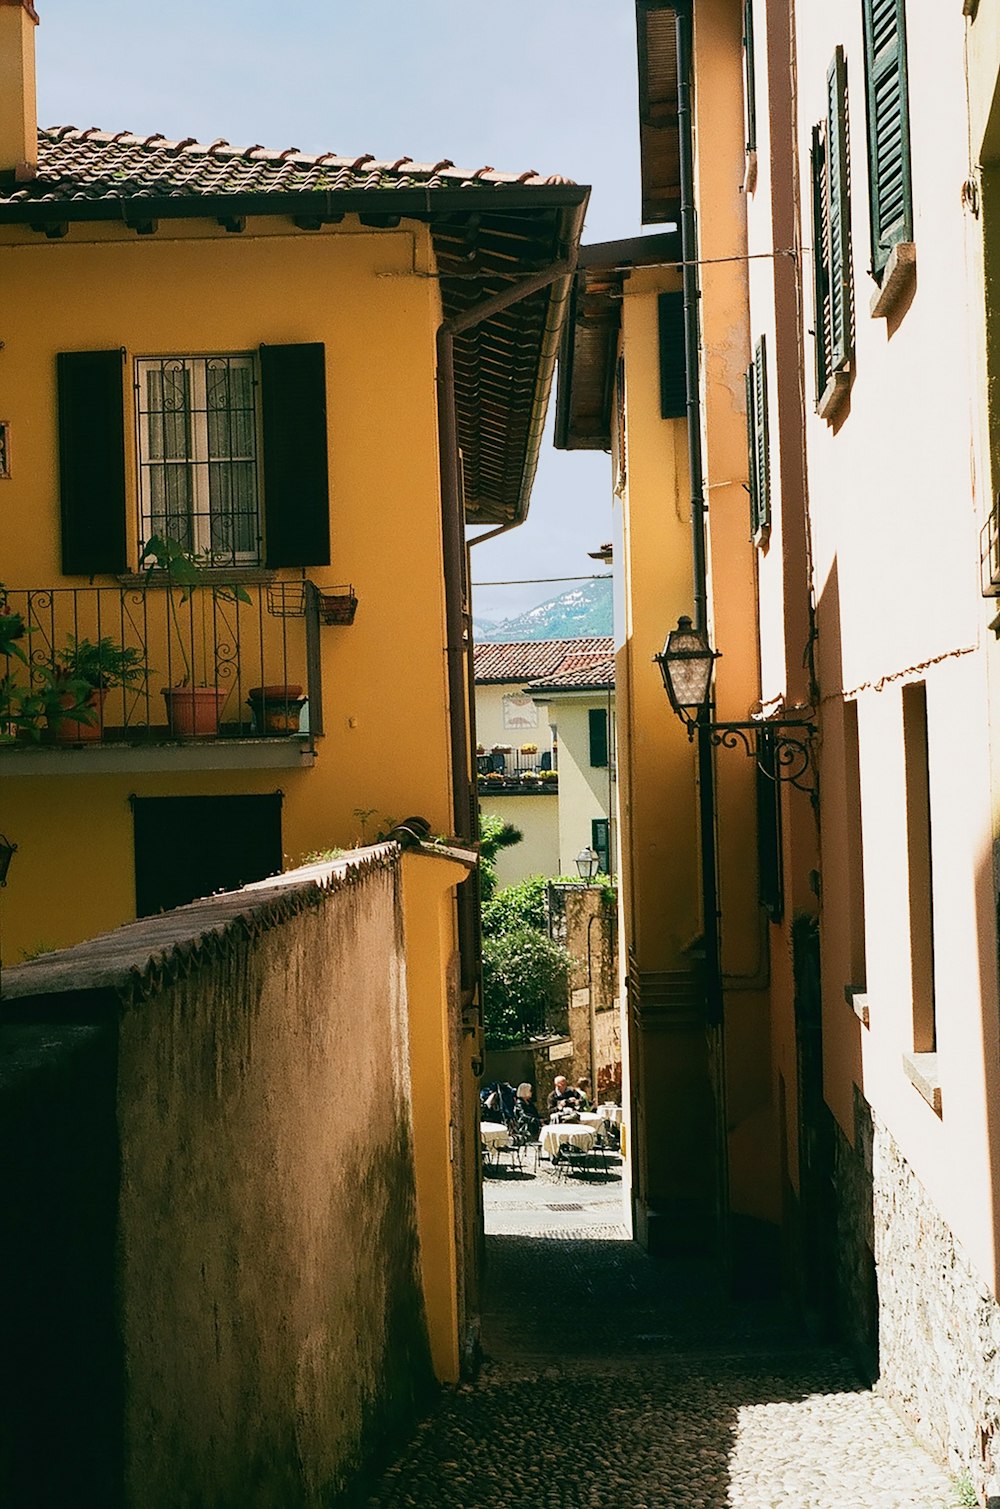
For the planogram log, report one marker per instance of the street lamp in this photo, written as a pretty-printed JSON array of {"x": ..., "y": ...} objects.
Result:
[
  {"x": 586, "y": 864},
  {"x": 782, "y": 748},
  {"x": 686, "y": 663}
]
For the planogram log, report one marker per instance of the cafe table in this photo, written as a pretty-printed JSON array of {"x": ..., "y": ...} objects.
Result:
[
  {"x": 578, "y": 1134},
  {"x": 595, "y": 1119},
  {"x": 493, "y": 1135}
]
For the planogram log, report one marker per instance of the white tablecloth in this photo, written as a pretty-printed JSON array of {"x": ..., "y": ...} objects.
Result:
[
  {"x": 580, "y": 1136},
  {"x": 612, "y": 1113},
  {"x": 493, "y": 1134},
  {"x": 594, "y": 1119}
]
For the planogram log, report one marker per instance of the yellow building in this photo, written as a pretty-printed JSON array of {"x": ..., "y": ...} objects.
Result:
[{"x": 311, "y": 372}]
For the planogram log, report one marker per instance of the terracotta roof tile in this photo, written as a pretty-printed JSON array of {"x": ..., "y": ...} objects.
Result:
[
  {"x": 544, "y": 660},
  {"x": 95, "y": 164},
  {"x": 578, "y": 673}
]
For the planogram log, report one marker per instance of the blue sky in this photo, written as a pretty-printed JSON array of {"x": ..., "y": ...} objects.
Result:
[{"x": 545, "y": 84}]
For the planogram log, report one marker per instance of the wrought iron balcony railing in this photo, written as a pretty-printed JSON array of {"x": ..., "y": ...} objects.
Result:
[
  {"x": 141, "y": 664},
  {"x": 509, "y": 769}
]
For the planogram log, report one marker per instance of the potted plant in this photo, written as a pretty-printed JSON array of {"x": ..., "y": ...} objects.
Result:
[
  {"x": 276, "y": 709},
  {"x": 192, "y": 709},
  {"x": 80, "y": 678},
  {"x": 529, "y": 748}
]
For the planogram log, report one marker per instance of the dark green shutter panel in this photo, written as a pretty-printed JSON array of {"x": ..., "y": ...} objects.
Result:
[
  {"x": 838, "y": 213},
  {"x": 296, "y": 491},
  {"x": 92, "y": 461},
  {"x": 598, "y": 736},
  {"x": 600, "y": 842},
  {"x": 821, "y": 261},
  {"x": 673, "y": 382},
  {"x": 888, "y": 128},
  {"x": 762, "y": 459},
  {"x": 749, "y": 84},
  {"x": 749, "y": 376}
]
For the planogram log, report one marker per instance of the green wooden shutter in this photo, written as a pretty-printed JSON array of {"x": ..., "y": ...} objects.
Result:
[
  {"x": 296, "y": 490},
  {"x": 748, "y": 65},
  {"x": 749, "y": 377},
  {"x": 673, "y": 372},
  {"x": 598, "y": 719},
  {"x": 838, "y": 213},
  {"x": 889, "y": 185},
  {"x": 762, "y": 459},
  {"x": 600, "y": 842},
  {"x": 91, "y": 406},
  {"x": 821, "y": 261}
]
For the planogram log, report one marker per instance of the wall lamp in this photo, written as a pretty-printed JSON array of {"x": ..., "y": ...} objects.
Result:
[{"x": 783, "y": 749}]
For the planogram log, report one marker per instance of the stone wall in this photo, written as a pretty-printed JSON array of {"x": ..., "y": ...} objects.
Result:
[
  {"x": 268, "y": 1311},
  {"x": 583, "y": 919},
  {"x": 938, "y": 1323}
]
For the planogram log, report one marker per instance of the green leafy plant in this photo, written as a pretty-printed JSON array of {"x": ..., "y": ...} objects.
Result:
[
  {"x": 515, "y": 906},
  {"x": 101, "y": 664},
  {"x": 965, "y": 1494},
  {"x": 524, "y": 985},
  {"x": 183, "y": 571},
  {"x": 494, "y": 835}
]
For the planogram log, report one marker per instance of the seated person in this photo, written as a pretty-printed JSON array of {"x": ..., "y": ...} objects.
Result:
[
  {"x": 564, "y": 1102},
  {"x": 527, "y": 1116},
  {"x": 583, "y": 1090}
]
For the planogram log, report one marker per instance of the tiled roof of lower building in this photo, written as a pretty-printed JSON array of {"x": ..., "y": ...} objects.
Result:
[{"x": 543, "y": 659}]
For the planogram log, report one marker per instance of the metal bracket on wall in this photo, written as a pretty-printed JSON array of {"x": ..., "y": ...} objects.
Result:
[{"x": 783, "y": 751}]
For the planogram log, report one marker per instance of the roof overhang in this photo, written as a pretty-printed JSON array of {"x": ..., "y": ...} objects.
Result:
[
  {"x": 483, "y": 239},
  {"x": 659, "y": 135},
  {"x": 590, "y": 338}
]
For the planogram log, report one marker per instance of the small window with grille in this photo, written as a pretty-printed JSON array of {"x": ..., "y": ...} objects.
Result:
[{"x": 197, "y": 429}]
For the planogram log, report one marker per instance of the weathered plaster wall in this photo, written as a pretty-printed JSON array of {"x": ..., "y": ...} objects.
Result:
[{"x": 269, "y": 1296}]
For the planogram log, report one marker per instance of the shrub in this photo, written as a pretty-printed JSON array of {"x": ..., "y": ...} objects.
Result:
[
  {"x": 521, "y": 905},
  {"x": 524, "y": 982}
]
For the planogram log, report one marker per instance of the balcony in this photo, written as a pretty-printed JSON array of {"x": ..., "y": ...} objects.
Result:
[
  {"x": 506, "y": 771},
  {"x": 136, "y": 678}
]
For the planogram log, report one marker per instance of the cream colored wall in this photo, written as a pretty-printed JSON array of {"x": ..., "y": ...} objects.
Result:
[
  {"x": 896, "y": 511},
  {"x": 585, "y": 791},
  {"x": 490, "y": 728},
  {"x": 193, "y": 288},
  {"x": 538, "y": 819}
]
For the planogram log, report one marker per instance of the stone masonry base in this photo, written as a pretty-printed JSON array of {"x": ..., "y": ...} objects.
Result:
[{"x": 938, "y": 1325}]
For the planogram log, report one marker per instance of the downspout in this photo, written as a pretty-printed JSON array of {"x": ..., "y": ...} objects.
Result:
[
  {"x": 460, "y": 694},
  {"x": 692, "y": 342},
  {"x": 714, "y": 1012}
]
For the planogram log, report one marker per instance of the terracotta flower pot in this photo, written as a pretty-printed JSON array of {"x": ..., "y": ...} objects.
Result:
[
  {"x": 72, "y": 730},
  {"x": 276, "y": 709},
  {"x": 193, "y": 711}
]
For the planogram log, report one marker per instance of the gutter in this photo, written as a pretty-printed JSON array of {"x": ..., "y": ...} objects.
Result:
[{"x": 461, "y": 686}]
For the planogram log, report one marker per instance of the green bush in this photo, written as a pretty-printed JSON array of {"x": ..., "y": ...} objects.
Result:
[
  {"x": 524, "y": 983},
  {"x": 521, "y": 905}
]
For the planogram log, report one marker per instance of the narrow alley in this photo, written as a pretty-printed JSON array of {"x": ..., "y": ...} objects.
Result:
[{"x": 612, "y": 1380}]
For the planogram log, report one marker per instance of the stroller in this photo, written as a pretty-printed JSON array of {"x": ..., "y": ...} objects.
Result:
[{"x": 497, "y": 1103}]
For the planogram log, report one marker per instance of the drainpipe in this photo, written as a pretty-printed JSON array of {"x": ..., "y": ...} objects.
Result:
[
  {"x": 714, "y": 1013},
  {"x": 461, "y": 708},
  {"x": 692, "y": 341}
]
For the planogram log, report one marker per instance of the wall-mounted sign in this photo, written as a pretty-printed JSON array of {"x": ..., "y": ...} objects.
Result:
[{"x": 519, "y": 711}]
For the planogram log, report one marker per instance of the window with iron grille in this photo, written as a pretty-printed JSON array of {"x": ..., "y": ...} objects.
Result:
[
  {"x": 197, "y": 429},
  {"x": 749, "y": 84},
  {"x": 833, "y": 287},
  {"x": 758, "y": 450}
]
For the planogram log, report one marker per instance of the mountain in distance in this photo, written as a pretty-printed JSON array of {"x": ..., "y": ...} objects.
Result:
[{"x": 583, "y": 613}]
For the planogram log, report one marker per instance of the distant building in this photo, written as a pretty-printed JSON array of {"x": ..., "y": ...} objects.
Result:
[{"x": 545, "y": 729}]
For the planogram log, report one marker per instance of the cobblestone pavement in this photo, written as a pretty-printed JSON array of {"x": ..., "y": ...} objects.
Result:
[{"x": 615, "y": 1381}]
